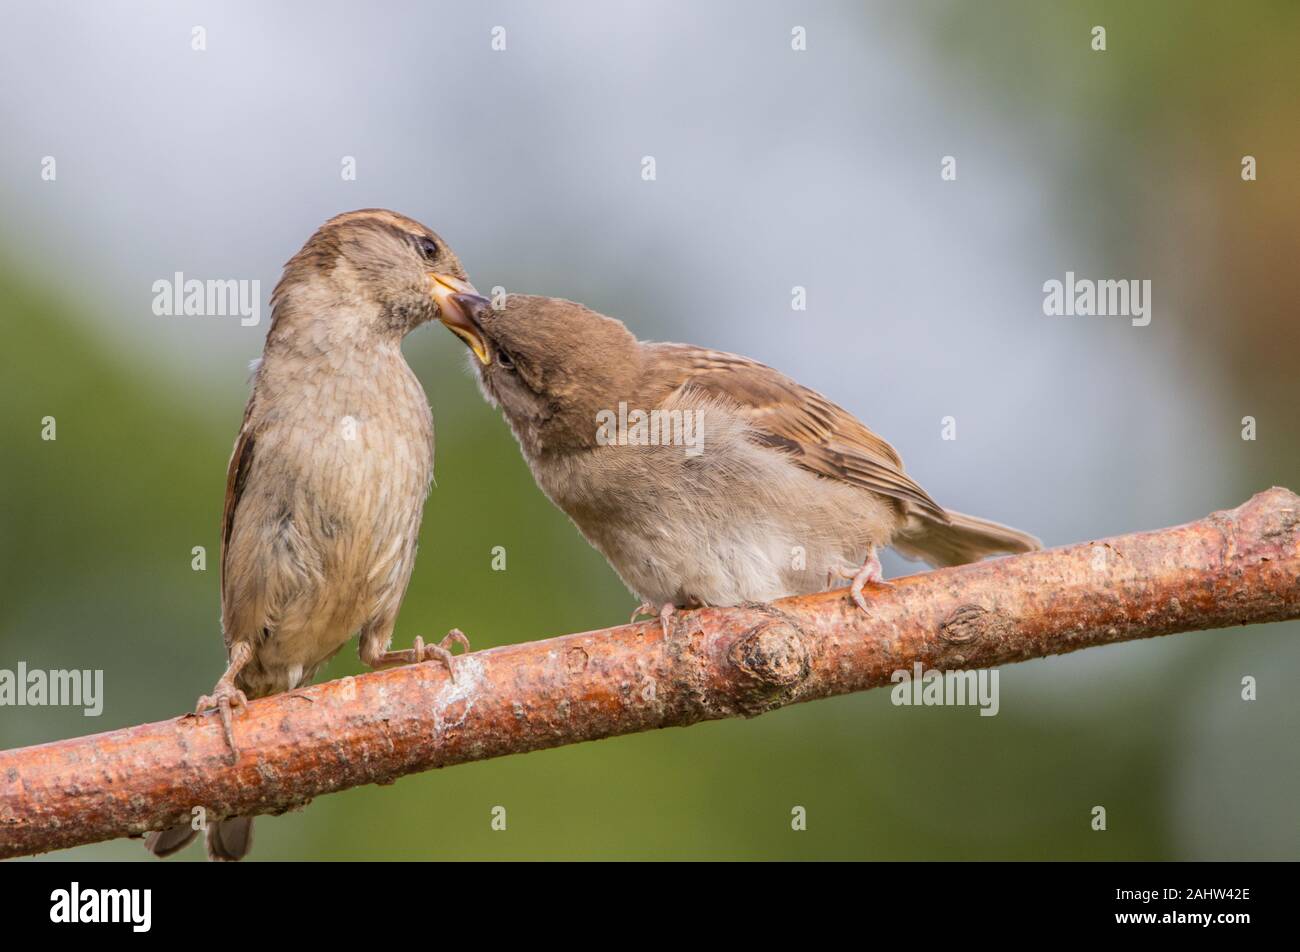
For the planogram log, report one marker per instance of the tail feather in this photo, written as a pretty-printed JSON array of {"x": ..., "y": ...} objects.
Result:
[
  {"x": 962, "y": 539},
  {"x": 163, "y": 843},
  {"x": 230, "y": 839}
]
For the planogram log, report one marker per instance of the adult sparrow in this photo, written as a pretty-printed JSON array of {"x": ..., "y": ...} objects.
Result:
[{"x": 330, "y": 471}]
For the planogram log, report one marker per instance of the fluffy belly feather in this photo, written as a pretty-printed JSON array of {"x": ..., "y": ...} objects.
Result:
[
  {"x": 325, "y": 540},
  {"x": 735, "y": 524}
]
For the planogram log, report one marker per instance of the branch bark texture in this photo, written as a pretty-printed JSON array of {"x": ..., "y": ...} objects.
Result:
[{"x": 1231, "y": 568}]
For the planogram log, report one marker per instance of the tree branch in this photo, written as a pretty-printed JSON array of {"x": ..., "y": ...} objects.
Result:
[{"x": 1230, "y": 568}]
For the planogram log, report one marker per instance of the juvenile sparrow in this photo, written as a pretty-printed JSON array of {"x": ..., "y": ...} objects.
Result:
[
  {"x": 704, "y": 478},
  {"x": 330, "y": 471}
]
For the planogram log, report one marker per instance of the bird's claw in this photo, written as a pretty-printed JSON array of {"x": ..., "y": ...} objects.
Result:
[
  {"x": 224, "y": 697},
  {"x": 872, "y": 572},
  {"x": 442, "y": 650},
  {"x": 664, "y": 611}
]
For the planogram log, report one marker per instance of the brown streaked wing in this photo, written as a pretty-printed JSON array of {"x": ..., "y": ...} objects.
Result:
[
  {"x": 821, "y": 437},
  {"x": 241, "y": 462}
]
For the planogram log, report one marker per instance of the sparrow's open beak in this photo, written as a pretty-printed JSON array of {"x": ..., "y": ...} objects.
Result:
[{"x": 457, "y": 300}]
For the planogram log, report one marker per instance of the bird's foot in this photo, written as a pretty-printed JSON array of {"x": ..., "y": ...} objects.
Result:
[
  {"x": 419, "y": 652},
  {"x": 442, "y": 650},
  {"x": 870, "y": 572},
  {"x": 664, "y": 611},
  {"x": 224, "y": 697}
]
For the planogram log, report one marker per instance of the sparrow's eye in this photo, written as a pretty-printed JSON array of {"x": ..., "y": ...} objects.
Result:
[
  {"x": 504, "y": 360},
  {"x": 427, "y": 247}
]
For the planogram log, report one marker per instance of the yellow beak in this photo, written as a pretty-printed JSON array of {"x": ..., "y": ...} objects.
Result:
[{"x": 456, "y": 299}]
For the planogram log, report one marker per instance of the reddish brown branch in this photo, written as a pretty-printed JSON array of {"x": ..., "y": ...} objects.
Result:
[{"x": 1231, "y": 568}]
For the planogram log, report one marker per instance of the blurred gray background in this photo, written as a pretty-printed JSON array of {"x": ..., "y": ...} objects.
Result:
[{"x": 775, "y": 168}]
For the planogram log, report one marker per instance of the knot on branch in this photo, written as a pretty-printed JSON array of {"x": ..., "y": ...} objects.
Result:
[
  {"x": 1265, "y": 528},
  {"x": 1278, "y": 514},
  {"x": 773, "y": 662},
  {"x": 972, "y": 624},
  {"x": 967, "y": 623}
]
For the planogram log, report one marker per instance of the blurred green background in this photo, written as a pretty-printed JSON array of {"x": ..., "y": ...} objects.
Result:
[{"x": 776, "y": 168}]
